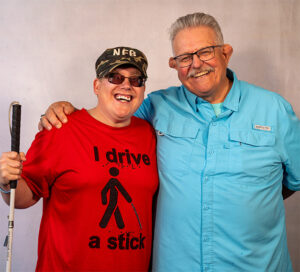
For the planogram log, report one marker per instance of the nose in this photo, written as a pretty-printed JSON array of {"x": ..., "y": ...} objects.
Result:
[
  {"x": 197, "y": 62},
  {"x": 126, "y": 84}
]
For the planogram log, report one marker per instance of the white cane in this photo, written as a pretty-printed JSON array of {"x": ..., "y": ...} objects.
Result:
[{"x": 15, "y": 145}]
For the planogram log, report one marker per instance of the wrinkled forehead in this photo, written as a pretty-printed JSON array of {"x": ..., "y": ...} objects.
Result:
[{"x": 191, "y": 39}]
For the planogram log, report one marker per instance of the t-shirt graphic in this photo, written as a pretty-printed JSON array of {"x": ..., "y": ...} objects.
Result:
[{"x": 113, "y": 186}]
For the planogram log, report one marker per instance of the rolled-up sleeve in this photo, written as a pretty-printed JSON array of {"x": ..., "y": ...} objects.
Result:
[{"x": 291, "y": 148}]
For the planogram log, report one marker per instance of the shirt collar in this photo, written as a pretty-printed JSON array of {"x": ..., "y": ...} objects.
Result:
[
  {"x": 191, "y": 98},
  {"x": 231, "y": 101}
]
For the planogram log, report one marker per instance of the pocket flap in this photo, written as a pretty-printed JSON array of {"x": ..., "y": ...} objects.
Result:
[
  {"x": 252, "y": 137},
  {"x": 180, "y": 128}
]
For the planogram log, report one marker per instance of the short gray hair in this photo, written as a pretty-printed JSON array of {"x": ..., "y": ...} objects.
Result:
[{"x": 195, "y": 20}]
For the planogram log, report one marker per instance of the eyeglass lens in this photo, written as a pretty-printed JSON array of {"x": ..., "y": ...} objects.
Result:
[
  {"x": 203, "y": 54},
  {"x": 135, "y": 81}
]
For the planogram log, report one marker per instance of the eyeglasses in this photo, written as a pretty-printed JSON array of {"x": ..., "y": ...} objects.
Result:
[
  {"x": 135, "y": 81},
  {"x": 204, "y": 54}
]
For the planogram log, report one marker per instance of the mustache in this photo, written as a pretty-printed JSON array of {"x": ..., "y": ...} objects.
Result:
[{"x": 193, "y": 72}]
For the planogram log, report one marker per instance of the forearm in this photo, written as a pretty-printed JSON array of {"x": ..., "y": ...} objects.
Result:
[{"x": 24, "y": 197}]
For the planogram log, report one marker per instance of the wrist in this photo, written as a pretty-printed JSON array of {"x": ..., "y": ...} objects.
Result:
[{"x": 5, "y": 188}]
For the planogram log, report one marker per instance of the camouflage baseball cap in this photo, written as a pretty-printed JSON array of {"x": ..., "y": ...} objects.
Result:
[{"x": 113, "y": 57}]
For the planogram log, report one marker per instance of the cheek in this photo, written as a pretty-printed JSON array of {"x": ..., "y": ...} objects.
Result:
[
  {"x": 105, "y": 96},
  {"x": 141, "y": 96},
  {"x": 182, "y": 73},
  {"x": 218, "y": 64}
]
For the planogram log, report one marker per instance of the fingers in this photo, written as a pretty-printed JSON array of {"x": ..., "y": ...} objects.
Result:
[
  {"x": 56, "y": 115},
  {"x": 60, "y": 113},
  {"x": 44, "y": 123},
  {"x": 52, "y": 117},
  {"x": 10, "y": 167},
  {"x": 61, "y": 109},
  {"x": 22, "y": 156},
  {"x": 40, "y": 126},
  {"x": 68, "y": 108}
]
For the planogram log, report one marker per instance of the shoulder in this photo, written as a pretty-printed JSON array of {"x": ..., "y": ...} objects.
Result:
[
  {"x": 260, "y": 95},
  {"x": 169, "y": 92},
  {"x": 166, "y": 99},
  {"x": 78, "y": 115},
  {"x": 251, "y": 92},
  {"x": 77, "y": 120},
  {"x": 156, "y": 100},
  {"x": 261, "y": 105},
  {"x": 141, "y": 125},
  {"x": 75, "y": 117}
]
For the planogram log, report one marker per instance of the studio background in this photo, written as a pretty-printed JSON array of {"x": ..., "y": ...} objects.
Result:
[{"x": 48, "y": 50}]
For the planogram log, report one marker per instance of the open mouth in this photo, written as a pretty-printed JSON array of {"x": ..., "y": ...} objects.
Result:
[
  {"x": 201, "y": 74},
  {"x": 123, "y": 98}
]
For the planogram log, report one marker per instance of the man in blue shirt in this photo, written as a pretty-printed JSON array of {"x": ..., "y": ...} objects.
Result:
[{"x": 225, "y": 148}]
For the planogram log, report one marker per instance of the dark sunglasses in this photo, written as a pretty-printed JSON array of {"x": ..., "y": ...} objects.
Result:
[{"x": 135, "y": 81}]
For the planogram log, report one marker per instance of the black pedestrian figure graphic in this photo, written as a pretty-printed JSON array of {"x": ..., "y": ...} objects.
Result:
[{"x": 114, "y": 185}]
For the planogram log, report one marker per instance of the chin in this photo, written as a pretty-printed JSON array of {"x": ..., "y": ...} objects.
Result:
[
  {"x": 200, "y": 92},
  {"x": 123, "y": 117}
]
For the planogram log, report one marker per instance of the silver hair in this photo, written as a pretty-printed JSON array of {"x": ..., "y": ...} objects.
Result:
[{"x": 195, "y": 20}]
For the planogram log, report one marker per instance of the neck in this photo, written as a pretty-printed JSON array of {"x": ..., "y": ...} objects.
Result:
[
  {"x": 96, "y": 114},
  {"x": 221, "y": 95}
]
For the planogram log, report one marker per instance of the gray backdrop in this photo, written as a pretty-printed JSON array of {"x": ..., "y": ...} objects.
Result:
[{"x": 48, "y": 50}]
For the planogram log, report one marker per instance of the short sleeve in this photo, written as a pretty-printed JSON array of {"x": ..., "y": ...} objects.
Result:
[
  {"x": 290, "y": 143},
  {"x": 39, "y": 169}
]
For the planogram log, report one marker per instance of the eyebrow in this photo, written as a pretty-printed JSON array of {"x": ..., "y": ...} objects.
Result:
[{"x": 189, "y": 53}]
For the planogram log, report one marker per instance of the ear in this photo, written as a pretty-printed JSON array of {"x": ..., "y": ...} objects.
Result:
[
  {"x": 172, "y": 63},
  {"x": 97, "y": 86},
  {"x": 227, "y": 52}
]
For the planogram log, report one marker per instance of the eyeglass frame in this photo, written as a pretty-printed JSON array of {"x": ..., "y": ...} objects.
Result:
[
  {"x": 141, "y": 77},
  {"x": 196, "y": 53}
]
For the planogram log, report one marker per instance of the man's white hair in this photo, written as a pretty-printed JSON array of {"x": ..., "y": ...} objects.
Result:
[{"x": 195, "y": 20}]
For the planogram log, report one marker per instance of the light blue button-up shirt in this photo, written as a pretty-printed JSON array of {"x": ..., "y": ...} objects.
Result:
[{"x": 220, "y": 206}]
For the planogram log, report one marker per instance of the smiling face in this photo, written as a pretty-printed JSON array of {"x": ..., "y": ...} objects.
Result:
[
  {"x": 117, "y": 103},
  {"x": 206, "y": 79}
]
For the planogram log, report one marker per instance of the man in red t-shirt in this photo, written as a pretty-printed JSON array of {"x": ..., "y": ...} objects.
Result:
[{"x": 97, "y": 176}]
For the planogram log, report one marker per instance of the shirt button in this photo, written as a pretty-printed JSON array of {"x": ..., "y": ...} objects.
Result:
[
  {"x": 205, "y": 239},
  {"x": 213, "y": 123},
  {"x": 206, "y": 179},
  {"x": 205, "y": 207}
]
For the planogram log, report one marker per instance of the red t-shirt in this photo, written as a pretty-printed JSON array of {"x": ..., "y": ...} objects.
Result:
[{"x": 97, "y": 184}]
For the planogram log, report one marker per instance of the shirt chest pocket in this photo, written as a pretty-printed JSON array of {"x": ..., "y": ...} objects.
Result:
[
  {"x": 252, "y": 155},
  {"x": 251, "y": 138},
  {"x": 175, "y": 142}
]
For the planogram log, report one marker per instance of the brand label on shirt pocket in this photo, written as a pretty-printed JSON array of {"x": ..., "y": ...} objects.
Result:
[{"x": 260, "y": 127}]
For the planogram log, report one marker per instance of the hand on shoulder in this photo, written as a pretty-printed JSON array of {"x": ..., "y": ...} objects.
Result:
[{"x": 56, "y": 115}]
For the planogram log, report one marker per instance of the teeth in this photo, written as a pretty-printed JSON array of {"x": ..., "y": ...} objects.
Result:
[
  {"x": 201, "y": 74},
  {"x": 123, "y": 97}
]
